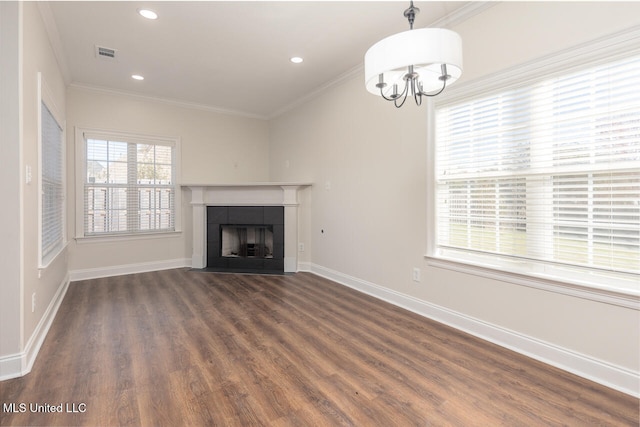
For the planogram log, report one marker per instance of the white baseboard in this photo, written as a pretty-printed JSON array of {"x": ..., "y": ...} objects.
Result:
[
  {"x": 618, "y": 378},
  {"x": 11, "y": 366},
  {"x": 609, "y": 375},
  {"x": 119, "y": 270},
  {"x": 290, "y": 264},
  {"x": 304, "y": 266},
  {"x": 17, "y": 365},
  {"x": 20, "y": 364}
]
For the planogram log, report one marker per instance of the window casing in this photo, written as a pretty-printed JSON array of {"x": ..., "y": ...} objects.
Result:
[
  {"x": 129, "y": 184},
  {"x": 541, "y": 175}
]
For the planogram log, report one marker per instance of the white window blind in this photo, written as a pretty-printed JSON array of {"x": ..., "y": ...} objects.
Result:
[
  {"x": 51, "y": 186},
  {"x": 548, "y": 172},
  {"x": 129, "y": 186}
]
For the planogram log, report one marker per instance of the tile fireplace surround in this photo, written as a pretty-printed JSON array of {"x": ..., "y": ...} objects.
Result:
[{"x": 248, "y": 194}]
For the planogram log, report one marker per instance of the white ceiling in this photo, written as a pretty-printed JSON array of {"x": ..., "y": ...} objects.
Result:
[{"x": 227, "y": 56}]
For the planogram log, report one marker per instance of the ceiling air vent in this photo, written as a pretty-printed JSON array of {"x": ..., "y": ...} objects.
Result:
[{"x": 105, "y": 52}]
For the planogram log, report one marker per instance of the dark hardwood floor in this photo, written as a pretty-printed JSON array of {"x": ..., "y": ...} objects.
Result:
[{"x": 182, "y": 347}]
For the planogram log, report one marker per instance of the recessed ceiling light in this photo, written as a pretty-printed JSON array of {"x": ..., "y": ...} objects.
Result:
[
  {"x": 147, "y": 13},
  {"x": 296, "y": 60},
  {"x": 137, "y": 77}
]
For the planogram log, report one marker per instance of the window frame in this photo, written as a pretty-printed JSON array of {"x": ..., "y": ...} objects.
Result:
[
  {"x": 46, "y": 99},
  {"x": 619, "y": 289},
  {"x": 81, "y": 173}
]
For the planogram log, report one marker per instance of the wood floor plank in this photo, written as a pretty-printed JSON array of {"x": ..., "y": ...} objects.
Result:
[{"x": 181, "y": 347}]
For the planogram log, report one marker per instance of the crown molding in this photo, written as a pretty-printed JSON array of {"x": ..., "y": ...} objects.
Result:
[
  {"x": 166, "y": 101},
  {"x": 605, "y": 48},
  {"x": 318, "y": 91},
  {"x": 462, "y": 14},
  {"x": 455, "y": 18},
  {"x": 54, "y": 39}
]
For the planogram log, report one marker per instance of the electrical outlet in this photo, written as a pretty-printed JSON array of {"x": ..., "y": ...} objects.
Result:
[
  {"x": 416, "y": 274},
  {"x": 33, "y": 302},
  {"x": 300, "y": 247}
]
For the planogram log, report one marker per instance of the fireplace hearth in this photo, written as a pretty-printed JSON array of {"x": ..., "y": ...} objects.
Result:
[{"x": 245, "y": 239}]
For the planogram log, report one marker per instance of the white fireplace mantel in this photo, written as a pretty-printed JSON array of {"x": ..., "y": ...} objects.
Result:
[{"x": 246, "y": 194}]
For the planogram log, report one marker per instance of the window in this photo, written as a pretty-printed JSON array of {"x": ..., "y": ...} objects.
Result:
[
  {"x": 51, "y": 182},
  {"x": 129, "y": 184},
  {"x": 545, "y": 175}
]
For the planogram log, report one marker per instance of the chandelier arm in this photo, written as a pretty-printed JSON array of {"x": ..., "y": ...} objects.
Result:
[
  {"x": 404, "y": 94},
  {"x": 392, "y": 99},
  {"x": 416, "y": 90},
  {"x": 444, "y": 79},
  {"x": 404, "y": 98},
  {"x": 444, "y": 85},
  {"x": 385, "y": 98}
]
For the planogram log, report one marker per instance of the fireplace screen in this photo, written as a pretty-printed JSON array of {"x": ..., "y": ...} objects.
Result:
[{"x": 255, "y": 241}]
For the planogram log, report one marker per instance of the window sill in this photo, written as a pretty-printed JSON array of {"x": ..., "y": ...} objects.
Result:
[
  {"x": 44, "y": 264},
  {"x": 610, "y": 288},
  {"x": 127, "y": 237}
]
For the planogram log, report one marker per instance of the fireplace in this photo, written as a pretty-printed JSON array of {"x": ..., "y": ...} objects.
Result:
[
  {"x": 245, "y": 238},
  {"x": 258, "y": 194}
]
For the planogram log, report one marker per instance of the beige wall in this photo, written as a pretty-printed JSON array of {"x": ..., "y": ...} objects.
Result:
[
  {"x": 37, "y": 57},
  {"x": 215, "y": 148},
  {"x": 518, "y": 31},
  {"x": 10, "y": 182},
  {"x": 374, "y": 214},
  {"x": 21, "y": 322}
]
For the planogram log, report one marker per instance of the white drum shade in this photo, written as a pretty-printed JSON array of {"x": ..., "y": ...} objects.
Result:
[{"x": 426, "y": 49}]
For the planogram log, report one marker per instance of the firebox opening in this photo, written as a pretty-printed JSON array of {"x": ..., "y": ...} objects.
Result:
[{"x": 246, "y": 241}]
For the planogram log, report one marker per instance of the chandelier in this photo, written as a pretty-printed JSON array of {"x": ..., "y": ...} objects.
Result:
[{"x": 413, "y": 63}]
